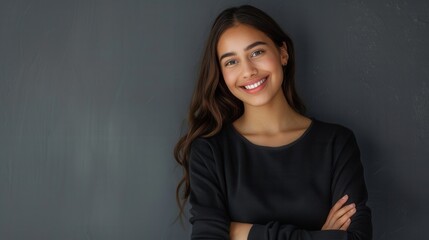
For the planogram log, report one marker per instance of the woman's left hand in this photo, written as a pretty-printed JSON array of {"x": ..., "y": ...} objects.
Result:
[{"x": 239, "y": 231}]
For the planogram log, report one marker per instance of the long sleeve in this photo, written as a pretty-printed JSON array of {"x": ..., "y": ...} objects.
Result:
[
  {"x": 347, "y": 178},
  {"x": 286, "y": 192},
  {"x": 209, "y": 218},
  {"x": 276, "y": 231}
]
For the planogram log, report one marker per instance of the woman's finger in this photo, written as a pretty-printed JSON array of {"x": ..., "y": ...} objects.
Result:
[
  {"x": 338, "y": 214},
  {"x": 338, "y": 205},
  {"x": 343, "y": 210},
  {"x": 336, "y": 219},
  {"x": 346, "y": 225},
  {"x": 344, "y": 218}
]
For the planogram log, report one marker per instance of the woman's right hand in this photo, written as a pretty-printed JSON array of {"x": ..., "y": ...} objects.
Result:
[{"x": 339, "y": 218}]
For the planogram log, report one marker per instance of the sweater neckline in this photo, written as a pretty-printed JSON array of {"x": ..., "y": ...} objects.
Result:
[{"x": 285, "y": 146}]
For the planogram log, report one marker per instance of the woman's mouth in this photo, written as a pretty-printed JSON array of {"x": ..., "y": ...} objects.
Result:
[{"x": 255, "y": 87}]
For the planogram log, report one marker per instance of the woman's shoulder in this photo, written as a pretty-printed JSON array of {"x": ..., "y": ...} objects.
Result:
[
  {"x": 332, "y": 129},
  {"x": 335, "y": 134},
  {"x": 209, "y": 149},
  {"x": 213, "y": 141}
]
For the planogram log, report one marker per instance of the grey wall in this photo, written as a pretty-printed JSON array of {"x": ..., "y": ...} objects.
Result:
[{"x": 93, "y": 95}]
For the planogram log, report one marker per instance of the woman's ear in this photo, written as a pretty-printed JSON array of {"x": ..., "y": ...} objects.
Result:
[{"x": 284, "y": 56}]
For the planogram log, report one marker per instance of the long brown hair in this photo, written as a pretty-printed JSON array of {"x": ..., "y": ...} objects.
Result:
[{"x": 212, "y": 103}]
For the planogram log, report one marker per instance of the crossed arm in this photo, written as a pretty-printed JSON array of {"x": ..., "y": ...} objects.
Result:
[
  {"x": 339, "y": 218},
  {"x": 210, "y": 217}
]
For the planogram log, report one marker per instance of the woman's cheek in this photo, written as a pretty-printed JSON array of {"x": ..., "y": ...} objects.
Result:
[
  {"x": 230, "y": 78},
  {"x": 230, "y": 84},
  {"x": 268, "y": 63}
]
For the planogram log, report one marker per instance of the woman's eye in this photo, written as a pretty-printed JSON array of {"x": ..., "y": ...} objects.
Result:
[
  {"x": 257, "y": 53},
  {"x": 230, "y": 62}
]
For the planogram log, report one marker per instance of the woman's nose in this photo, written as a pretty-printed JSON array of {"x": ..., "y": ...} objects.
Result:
[{"x": 249, "y": 70}]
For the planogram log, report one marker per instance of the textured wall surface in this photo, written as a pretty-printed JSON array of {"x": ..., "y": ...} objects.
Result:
[{"x": 93, "y": 95}]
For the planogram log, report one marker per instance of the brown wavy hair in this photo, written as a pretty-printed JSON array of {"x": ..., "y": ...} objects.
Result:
[{"x": 212, "y": 103}]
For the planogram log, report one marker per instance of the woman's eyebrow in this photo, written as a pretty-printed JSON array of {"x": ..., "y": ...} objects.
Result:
[
  {"x": 228, "y": 54},
  {"x": 254, "y": 45}
]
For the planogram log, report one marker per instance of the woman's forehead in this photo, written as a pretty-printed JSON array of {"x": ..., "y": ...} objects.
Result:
[{"x": 238, "y": 37}]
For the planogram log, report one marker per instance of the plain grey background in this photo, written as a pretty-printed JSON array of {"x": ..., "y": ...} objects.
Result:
[{"x": 94, "y": 94}]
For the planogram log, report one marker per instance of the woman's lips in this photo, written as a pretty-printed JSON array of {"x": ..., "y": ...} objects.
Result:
[{"x": 255, "y": 87}]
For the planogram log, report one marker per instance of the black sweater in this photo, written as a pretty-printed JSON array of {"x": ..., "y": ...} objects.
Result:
[{"x": 286, "y": 192}]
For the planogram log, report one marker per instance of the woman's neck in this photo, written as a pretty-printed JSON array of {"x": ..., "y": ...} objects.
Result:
[{"x": 272, "y": 118}]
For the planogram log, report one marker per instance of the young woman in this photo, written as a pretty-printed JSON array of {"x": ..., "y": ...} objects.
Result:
[{"x": 255, "y": 166}]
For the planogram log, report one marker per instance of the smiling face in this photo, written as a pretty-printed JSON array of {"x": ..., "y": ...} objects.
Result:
[{"x": 251, "y": 65}]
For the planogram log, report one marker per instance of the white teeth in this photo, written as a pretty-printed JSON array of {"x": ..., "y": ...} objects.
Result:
[{"x": 255, "y": 85}]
